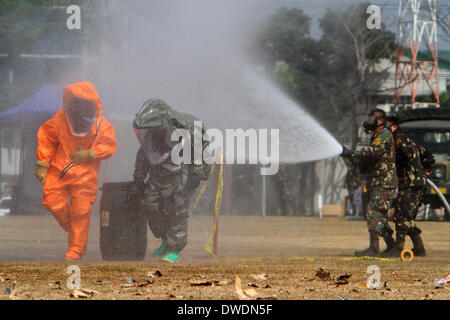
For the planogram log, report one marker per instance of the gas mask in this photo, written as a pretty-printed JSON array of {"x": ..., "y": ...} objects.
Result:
[
  {"x": 371, "y": 123},
  {"x": 80, "y": 115},
  {"x": 156, "y": 143}
]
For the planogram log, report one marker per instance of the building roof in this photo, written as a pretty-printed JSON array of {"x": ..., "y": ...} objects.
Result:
[{"x": 443, "y": 57}]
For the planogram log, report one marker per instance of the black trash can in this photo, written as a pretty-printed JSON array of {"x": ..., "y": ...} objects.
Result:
[{"x": 123, "y": 228}]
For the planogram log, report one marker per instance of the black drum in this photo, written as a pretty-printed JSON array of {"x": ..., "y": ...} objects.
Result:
[{"x": 123, "y": 228}]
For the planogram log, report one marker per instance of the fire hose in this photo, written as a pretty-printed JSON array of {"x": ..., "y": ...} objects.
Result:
[{"x": 439, "y": 193}]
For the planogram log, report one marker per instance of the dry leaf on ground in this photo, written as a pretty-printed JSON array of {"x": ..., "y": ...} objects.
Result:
[
  {"x": 78, "y": 294},
  {"x": 251, "y": 293},
  {"x": 248, "y": 294},
  {"x": 146, "y": 283},
  {"x": 83, "y": 293},
  {"x": 342, "y": 279},
  {"x": 322, "y": 274},
  {"x": 238, "y": 289},
  {"x": 154, "y": 274},
  {"x": 200, "y": 283}
]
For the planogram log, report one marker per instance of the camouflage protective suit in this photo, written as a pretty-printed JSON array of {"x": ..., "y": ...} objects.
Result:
[
  {"x": 426, "y": 159},
  {"x": 412, "y": 163},
  {"x": 379, "y": 161},
  {"x": 166, "y": 188},
  {"x": 412, "y": 181}
]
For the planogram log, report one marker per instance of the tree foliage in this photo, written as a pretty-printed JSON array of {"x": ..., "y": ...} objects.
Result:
[
  {"x": 333, "y": 77},
  {"x": 35, "y": 27}
]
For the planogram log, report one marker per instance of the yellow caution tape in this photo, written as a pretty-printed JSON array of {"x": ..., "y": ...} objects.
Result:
[
  {"x": 303, "y": 259},
  {"x": 217, "y": 206},
  {"x": 202, "y": 190}
]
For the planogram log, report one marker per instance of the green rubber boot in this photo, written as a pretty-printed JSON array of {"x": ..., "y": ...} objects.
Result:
[
  {"x": 161, "y": 250},
  {"x": 171, "y": 257}
]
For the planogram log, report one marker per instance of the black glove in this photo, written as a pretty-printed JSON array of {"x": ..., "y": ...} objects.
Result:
[{"x": 346, "y": 152}]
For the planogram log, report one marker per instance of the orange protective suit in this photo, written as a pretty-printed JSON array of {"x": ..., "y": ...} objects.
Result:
[{"x": 55, "y": 145}]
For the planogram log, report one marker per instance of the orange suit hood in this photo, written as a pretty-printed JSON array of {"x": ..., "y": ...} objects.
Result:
[
  {"x": 83, "y": 90},
  {"x": 56, "y": 143}
]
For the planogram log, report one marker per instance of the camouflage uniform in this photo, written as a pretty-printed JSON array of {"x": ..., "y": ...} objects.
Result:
[
  {"x": 426, "y": 158},
  {"x": 381, "y": 178},
  {"x": 412, "y": 180},
  {"x": 412, "y": 163},
  {"x": 166, "y": 188},
  {"x": 379, "y": 164}
]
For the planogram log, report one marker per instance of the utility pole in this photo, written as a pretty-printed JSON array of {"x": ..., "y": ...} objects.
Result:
[{"x": 417, "y": 26}]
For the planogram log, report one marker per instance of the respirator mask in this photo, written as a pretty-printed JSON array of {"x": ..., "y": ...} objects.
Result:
[{"x": 371, "y": 123}]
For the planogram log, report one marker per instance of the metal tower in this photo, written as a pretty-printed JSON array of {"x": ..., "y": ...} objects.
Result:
[{"x": 417, "y": 25}]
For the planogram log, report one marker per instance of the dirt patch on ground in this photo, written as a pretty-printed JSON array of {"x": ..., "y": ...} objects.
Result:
[{"x": 31, "y": 249}]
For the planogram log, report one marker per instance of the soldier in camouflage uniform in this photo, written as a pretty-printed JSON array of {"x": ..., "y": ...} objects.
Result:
[
  {"x": 379, "y": 160},
  {"x": 426, "y": 158},
  {"x": 412, "y": 180},
  {"x": 165, "y": 188}
]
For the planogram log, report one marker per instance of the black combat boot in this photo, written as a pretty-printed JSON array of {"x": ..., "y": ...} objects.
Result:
[
  {"x": 418, "y": 249},
  {"x": 398, "y": 246},
  {"x": 390, "y": 243},
  {"x": 373, "y": 249}
]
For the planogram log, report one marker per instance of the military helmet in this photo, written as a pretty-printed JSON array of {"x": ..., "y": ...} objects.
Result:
[{"x": 393, "y": 117}]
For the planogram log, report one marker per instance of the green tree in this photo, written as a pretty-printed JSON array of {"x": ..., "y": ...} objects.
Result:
[
  {"x": 22, "y": 24},
  {"x": 296, "y": 57},
  {"x": 355, "y": 56},
  {"x": 37, "y": 27},
  {"x": 284, "y": 35},
  {"x": 444, "y": 99},
  {"x": 334, "y": 77}
]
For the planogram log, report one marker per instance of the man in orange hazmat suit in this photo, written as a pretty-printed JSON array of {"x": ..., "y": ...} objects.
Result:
[{"x": 71, "y": 146}]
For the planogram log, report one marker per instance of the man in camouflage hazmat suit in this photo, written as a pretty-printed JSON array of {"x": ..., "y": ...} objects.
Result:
[{"x": 165, "y": 188}]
